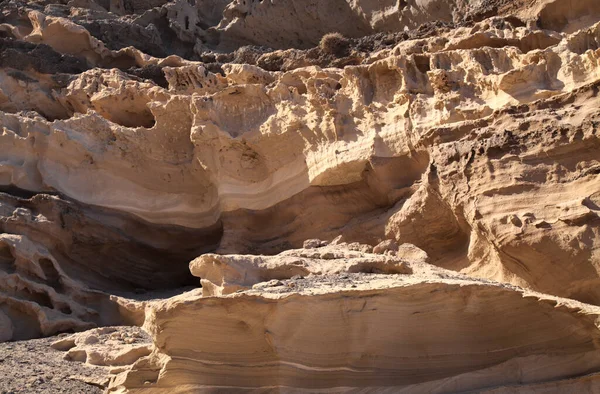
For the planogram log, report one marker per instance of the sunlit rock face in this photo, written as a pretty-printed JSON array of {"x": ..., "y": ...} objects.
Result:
[{"x": 410, "y": 206}]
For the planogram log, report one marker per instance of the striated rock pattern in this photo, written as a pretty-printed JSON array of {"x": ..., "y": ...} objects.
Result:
[
  {"x": 410, "y": 205},
  {"x": 430, "y": 332}
]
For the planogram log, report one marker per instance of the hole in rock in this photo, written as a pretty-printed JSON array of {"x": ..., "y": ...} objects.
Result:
[
  {"x": 515, "y": 22},
  {"x": 52, "y": 275},
  {"x": 422, "y": 63},
  {"x": 131, "y": 117},
  {"x": 151, "y": 72},
  {"x": 39, "y": 297},
  {"x": 65, "y": 309},
  {"x": 7, "y": 260}
]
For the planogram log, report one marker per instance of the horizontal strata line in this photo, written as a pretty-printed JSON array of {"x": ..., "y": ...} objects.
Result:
[
  {"x": 274, "y": 364},
  {"x": 305, "y": 367},
  {"x": 523, "y": 385}
]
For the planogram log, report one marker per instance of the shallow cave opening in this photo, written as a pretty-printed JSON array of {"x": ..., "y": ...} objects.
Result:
[
  {"x": 423, "y": 63},
  {"x": 149, "y": 72},
  {"x": 52, "y": 276},
  {"x": 131, "y": 117},
  {"x": 146, "y": 261},
  {"x": 19, "y": 193},
  {"x": 107, "y": 250},
  {"x": 39, "y": 297},
  {"x": 7, "y": 260},
  {"x": 134, "y": 271},
  {"x": 65, "y": 309}
]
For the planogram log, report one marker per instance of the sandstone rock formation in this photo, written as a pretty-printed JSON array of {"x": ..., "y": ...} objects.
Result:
[
  {"x": 221, "y": 275},
  {"x": 429, "y": 332},
  {"x": 417, "y": 210}
]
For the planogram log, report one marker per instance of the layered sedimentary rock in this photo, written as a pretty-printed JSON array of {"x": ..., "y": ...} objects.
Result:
[
  {"x": 223, "y": 275},
  {"x": 418, "y": 329},
  {"x": 452, "y": 145}
]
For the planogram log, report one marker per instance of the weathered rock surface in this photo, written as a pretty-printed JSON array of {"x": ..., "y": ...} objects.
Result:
[
  {"x": 35, "y": 366},
  {"x": 106, "y": 346},
  {"x": 362, "y": 331},
  {"x": 223, "y": 275},
  {"x": 411, "y": 207}
]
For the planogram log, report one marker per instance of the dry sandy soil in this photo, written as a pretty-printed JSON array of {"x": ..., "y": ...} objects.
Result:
[
  {"x": 35, "y": 366},
  {"x": 32, "y": 366}
]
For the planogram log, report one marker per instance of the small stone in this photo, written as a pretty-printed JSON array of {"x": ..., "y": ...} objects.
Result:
[
  {"x": 63, "y": 344},
  {"x": 313, "y": 244},
  {"x": 337, "y": 240},
  {"x": 271, "y": 283},
  {"x": 274, "y": 283},
  {"x": 514, "y": 219},
  {"x": 384, "y": 246},
  {"x": 92, "y": 339}
]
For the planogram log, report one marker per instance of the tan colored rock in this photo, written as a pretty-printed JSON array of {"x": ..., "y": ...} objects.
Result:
[
  {"x": 217, "y": 173},
  {"x": 314, "y": 243},
  {"x": 138, "y": 136},
  {"x": 106, "y": 346},
  {"x": 384, "y": 246},
  {"x": 369, "y": 336},
  {"x": 221, "y": 275}
]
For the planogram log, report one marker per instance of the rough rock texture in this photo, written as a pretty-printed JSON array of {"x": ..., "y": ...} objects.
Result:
[
  {"x": 355, "y": 328},
  {"x": 410, "y": 204},
  {"x": 227, "y": 274},
  {"x": 35, "y": 366}
]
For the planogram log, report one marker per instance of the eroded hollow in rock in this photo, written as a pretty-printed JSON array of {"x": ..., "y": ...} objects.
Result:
[
  {"x": 52, "y": 276},
  {"x": 132, "y": 118},
  {"x": 411, "y": 205},
  {"x": 7, "y": 260},
  {"x": 89, "y": 245}
]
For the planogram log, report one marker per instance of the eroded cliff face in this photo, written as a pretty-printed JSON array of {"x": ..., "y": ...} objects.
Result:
[{"x": 443, "y": 160}]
